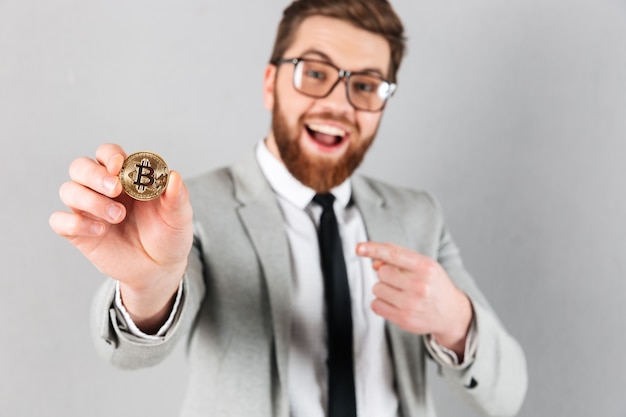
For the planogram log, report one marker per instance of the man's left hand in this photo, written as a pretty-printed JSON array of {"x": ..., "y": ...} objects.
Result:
[{"x": 416, "y": 294}]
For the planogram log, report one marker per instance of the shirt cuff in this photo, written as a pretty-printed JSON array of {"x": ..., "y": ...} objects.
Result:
[
  {"x": 449, "y": 357},
  {"x": 126, "y": 323}
]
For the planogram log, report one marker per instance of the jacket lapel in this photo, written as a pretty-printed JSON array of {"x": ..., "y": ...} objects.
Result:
[
  {"x": 262, "y": 218},
  {"x": 380, "y": 223}
]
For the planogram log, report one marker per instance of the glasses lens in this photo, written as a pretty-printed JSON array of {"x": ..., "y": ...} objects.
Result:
[
  {"x": 314, "y": 78},
  {"x": 368, "y": 92},
  {"x": 365, "y": 91}
]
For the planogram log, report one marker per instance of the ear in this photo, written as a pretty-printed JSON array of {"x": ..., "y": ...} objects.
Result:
[{"x": 269, "y": 85}]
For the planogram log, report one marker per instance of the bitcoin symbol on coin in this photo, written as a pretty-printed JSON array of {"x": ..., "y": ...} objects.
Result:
[
  {"x": 149, "y": 174},
  {"x": 144, "y": 175}
]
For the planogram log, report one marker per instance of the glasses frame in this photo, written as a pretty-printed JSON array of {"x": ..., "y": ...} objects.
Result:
[{"x": 343, "y": 75}]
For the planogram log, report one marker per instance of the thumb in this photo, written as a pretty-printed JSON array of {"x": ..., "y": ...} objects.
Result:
[{"x": 177, "y": 211}]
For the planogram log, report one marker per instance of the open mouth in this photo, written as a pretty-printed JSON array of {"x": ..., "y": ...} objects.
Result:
[{"x": 325, "y": 135}]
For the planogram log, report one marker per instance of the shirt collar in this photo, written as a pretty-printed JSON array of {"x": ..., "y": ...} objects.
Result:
[{"x": 288, "y": 187}]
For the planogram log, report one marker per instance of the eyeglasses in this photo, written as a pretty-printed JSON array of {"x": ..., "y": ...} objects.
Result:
[{"x": 365, "y": 91}]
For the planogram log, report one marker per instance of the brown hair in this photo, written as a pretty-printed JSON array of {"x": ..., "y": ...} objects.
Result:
[{"x": 375, "y": 16}]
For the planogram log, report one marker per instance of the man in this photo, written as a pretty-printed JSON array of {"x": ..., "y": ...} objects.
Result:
[{"x": 269, "y": 310}]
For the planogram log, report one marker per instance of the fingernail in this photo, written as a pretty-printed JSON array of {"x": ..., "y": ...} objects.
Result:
[
  {"x": 109, "y": 183},
  {"x": 114, "y": 211},
  {"x": 97, "y": 228},
  {"x": 361, "y": 249}
]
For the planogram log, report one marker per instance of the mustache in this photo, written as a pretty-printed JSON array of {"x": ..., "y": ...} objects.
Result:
[{"x": 329, "y": 116}]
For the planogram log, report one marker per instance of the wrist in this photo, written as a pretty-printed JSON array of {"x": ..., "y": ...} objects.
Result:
[
  {"x": 454, "y": 336},
  {"x": 149, "y": 306}
]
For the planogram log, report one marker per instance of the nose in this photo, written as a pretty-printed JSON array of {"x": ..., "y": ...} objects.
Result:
[{"x": 337, "y": 99}]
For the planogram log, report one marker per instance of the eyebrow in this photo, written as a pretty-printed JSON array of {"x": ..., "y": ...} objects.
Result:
[{"x": 325, "y": 57}]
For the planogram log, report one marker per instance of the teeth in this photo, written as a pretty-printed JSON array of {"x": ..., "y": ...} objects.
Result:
[{"x": 328, "y": 130}]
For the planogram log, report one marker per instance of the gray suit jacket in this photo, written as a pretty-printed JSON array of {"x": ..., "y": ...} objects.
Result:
[{"x": 235, "y": 309}]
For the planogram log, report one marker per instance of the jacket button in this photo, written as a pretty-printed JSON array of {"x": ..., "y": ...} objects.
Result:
[{"x": 472, "y": 384}]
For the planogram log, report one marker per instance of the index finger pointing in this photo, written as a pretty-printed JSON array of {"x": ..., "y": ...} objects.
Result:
[{"x": 390, "y": 254}]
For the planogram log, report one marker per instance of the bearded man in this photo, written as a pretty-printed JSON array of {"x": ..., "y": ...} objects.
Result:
[{"x": 303, "y": 289}]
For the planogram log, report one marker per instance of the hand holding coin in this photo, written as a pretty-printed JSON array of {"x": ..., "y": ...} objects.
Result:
[{"x": 142, "y": 242}]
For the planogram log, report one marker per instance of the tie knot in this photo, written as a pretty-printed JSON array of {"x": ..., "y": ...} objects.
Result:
[{"x": 325, "y": 200}]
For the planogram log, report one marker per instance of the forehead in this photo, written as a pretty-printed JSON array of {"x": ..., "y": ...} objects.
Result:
[{"x": 347, "y": 46}]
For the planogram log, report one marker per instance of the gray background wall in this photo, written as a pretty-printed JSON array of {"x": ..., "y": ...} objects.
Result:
[{"x": 511, "y": 112}]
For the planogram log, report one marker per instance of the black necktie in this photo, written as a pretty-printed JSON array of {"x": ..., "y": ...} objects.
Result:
[{"x": 341, "y": 393}]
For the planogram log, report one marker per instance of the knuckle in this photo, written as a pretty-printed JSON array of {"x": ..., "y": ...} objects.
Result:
[
  {"x": 65, "y": 224},
  {"x": 104, "y": 150},
  {"x": 430, "y": 267},
  {"x": 416, "y": 263},
  {"x": 418, "y": 287},
  {"x": 77, "y": 166},
  {"x": 384, "y": 273},
  {"x": 65, "y": 190},
  {"x": 377, "y": 290},
  {"x": 423, "y": 290},
  {"x": 73, "y": 225},
  {"x": 110, "y": 148},
  {"x": 54, "y": 221},
  {"x": 393, "y": 252}
]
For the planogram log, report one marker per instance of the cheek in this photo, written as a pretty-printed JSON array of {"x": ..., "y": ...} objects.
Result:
[
  {"x": 368, "y": 123},
  {"x": 293, "y": 105}
]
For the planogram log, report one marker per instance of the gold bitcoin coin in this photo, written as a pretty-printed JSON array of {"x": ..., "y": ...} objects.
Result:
[{"x": 144, "y": 175}]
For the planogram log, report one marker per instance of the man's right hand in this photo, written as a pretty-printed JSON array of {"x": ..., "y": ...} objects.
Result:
[{"x": 142, "y": 244}]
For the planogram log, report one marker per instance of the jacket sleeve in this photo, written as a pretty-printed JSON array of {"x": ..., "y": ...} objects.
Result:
[
  {"x": 125, "y": 350},
  {"x": 495, "y": 382}
]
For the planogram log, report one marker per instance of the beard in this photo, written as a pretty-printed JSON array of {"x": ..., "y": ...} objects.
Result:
[{"x": 316, "y": 171}]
